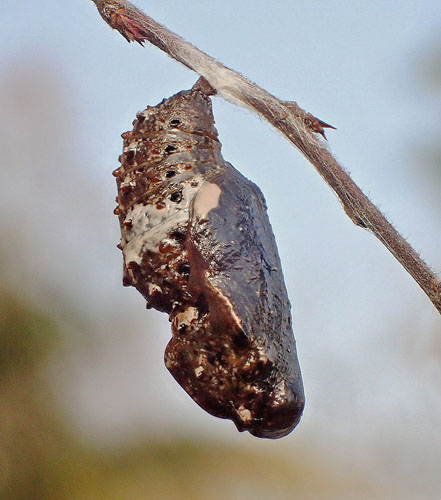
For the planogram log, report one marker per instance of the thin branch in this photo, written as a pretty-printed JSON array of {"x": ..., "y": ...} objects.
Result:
[{"x": 296, "y": 125}]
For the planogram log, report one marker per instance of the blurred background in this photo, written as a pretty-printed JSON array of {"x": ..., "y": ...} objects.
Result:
[{"x": 87, "y": 408}]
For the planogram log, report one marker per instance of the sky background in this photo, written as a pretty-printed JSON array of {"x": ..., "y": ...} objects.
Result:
[{"x": 368, "y": 338}]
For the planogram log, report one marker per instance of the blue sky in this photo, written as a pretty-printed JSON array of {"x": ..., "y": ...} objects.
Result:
[{"x": 358, "y": 316}]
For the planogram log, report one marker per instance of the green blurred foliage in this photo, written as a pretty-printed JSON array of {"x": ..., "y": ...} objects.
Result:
[
  {"x": 41, "y": 460},
  {"x": 31, "y": 440},
  {"x": 27, "y": 335}
]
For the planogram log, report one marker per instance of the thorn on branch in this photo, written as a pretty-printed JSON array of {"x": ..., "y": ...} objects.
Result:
[
  {"x": 317, "y": 125},
  {"x": 313, "y": 123}
]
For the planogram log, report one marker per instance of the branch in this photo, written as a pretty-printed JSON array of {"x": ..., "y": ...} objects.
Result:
[{"x": 296, "y": 125}]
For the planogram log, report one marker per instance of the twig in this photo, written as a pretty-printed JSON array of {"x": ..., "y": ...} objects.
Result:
[{"x": 296, "y": 125}]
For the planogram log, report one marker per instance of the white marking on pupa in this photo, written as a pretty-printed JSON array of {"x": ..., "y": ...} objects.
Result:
[
  {"x": 146, "y": 238},
  {"x": 154, "y": 289},
  {"x": 244, "y": 414},
  {"x": 279, "y": 394},
  {"x": 150, "y": 225},
  {"x": 128, "y": 181},
  {"x": 207, "y": 198},
  {"x": 132, "y": 146},
  {"x": 187, "y": 316},
  {"x": 226, "y": 301}
]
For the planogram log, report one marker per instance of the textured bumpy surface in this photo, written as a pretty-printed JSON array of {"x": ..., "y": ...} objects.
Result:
[{"x": 198, "y": 245}]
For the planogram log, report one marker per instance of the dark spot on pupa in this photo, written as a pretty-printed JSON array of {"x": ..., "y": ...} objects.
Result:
[
  {"x": 202, "y": 306},
  {"x": 170, "y": 149},
  {"x": 175, "y": 122},
  {"x": 240, "y": 340},
  {"x": 170, "y": 174},
  {"x": 178, "y": 235},
  {"x": 176, "y": 197},
  {"x": 184, "y": 269},
  {"x": 216, "y": 359},
  {"x": 127, "y": 281},
  {"x": 133, "y": 265}
]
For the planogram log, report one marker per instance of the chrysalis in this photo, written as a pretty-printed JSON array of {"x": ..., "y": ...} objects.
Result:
[{"x": 197, "y": 243}]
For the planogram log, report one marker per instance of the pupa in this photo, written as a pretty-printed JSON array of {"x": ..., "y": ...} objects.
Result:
[{"x": 198, "y": 245}]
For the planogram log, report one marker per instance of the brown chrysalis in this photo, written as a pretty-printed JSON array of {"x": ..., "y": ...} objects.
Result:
[{"x": 197, "y": 243}]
